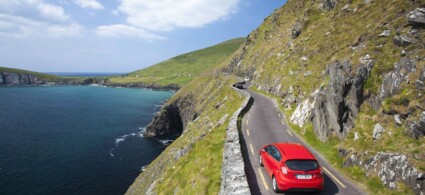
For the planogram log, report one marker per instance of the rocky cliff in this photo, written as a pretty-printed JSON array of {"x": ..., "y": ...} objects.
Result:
[{"x": 8, "y": 78}]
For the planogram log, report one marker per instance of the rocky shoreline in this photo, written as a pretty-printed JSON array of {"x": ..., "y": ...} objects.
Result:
[{"x": 23, "y": 79}]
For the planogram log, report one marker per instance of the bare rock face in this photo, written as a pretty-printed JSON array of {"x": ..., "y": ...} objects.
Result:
[
  {"x": 391, "y": 168},
  {"x": 393, "y": 79},
  {"x": 417, "y": 129},
  {"x": 166, "y": 121},
  {"x": 338, "y": 104},
  {"x": 7, "y": 78}
]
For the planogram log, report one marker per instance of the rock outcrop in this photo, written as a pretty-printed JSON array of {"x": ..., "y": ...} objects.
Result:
[
  {"x": 393, "y": 80},
  {"x": 417, "y": 17},
  {"x": 337, "y": 105},
  {"x": 166, "y": 121},
  {"x": 391, "y": 168},
  {"x": 417, "y": 129},
  {"x": 172, "y": 118}
]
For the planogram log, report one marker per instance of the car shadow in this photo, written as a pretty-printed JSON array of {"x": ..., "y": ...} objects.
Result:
[
  {"x": 329, "y": 188},
  {"x": 249, "y": 169}
]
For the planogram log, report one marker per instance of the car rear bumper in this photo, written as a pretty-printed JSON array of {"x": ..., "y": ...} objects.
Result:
[{"x": 300, "y": 185}]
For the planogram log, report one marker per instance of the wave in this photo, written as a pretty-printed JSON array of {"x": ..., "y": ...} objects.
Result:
[{"x": 123, "y": 137}]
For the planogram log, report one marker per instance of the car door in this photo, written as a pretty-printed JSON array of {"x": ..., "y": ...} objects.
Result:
[
  {"x": 275, "y": 162},
  {"x": 268, "y": 159}
]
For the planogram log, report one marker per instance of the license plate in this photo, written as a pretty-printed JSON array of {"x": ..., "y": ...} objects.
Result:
[{"x": 304, "y": 176}]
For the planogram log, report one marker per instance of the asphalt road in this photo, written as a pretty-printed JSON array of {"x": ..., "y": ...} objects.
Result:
[{"x": 264, "y": 124}]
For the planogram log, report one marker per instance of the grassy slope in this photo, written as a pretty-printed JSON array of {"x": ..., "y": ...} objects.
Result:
[
  {"x": 183, "y": 68},
  {"x": 41, "y": 76},
  {"x": 199, "y": 171},
  {"x": 325, "y": 38}
]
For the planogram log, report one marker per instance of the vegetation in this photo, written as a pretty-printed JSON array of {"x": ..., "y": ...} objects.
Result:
[
  {"x": 183, "y": 68},
  {"x": 199, "y": 171},
  {"x": 273, "y": 58}
]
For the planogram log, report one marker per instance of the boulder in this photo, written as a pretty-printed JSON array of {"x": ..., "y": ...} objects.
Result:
[
  {"x": 377, "y": 131},
  {"x": 420, "y": 83},
  {"x": 397, "y": 120},
  {"x": 416, "y": 17},
  {"x": 296, "y": 30},
  {"x": 356, "y": 136},
  {"x": 329, "y": 4},
  {"x": 308, "y": 73},
  {"x": 403, "y": 40},
  {"x": 385, "y": 33}
]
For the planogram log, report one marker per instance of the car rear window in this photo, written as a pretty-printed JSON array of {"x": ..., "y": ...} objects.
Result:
[{"x": 302, "y": 165}]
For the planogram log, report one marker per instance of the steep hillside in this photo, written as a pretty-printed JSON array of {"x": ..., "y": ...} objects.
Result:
[
  {"x": 12, "y": 76},
  {"x": 177, "y": 71},
  {"x": 349, "y": 75}
]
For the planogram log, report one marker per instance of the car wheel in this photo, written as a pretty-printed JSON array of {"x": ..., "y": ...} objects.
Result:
[
  {"x": 261, "y": 161},
  {"x": 275, "y": 187}
]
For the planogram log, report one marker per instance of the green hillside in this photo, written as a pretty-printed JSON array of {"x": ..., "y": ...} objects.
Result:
[{"x": 183, "y": 68}]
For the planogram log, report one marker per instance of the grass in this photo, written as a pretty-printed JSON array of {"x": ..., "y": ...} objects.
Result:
[
  {"x": 199, "y": 171},
  {"x": 181, "y": 69}
]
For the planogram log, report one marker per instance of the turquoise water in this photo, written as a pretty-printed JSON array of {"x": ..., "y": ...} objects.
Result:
[{"x": 74, "y": 139}]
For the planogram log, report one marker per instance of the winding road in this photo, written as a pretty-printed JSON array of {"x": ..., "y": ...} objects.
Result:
[{"x": 264, "y": 124}]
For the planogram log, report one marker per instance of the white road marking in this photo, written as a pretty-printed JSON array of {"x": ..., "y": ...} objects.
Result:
[
  {"x": 289, "y": 132},
  {"x": 333, "y": 177},
  {"x": 247, "y": 131},
  {"x": 246, "y": 122},
  {"x": 262, "y": 178},
  {"x": 252, "y": 149}
]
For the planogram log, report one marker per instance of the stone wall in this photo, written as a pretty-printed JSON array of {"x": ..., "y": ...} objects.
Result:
[{"x": 233, "y": 177}]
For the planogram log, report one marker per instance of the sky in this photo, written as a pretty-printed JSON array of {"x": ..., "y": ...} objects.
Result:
[{"x": 118, "y": 35}]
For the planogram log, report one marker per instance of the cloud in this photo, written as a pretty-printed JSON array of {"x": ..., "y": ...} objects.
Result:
[
  {"x": 93, "y": 4},
  {"x": 166, "y": 15},
  {"x": 21, "y": 27},
  {"x": 52, "y": 12},
  {"x": 121, "y": 30}
]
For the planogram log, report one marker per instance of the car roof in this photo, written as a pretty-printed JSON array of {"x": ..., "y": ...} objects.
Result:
[{"x": 294, "y": 151}]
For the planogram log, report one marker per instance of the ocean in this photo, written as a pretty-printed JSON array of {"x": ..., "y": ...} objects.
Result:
[{"x": 75, "y": 139}]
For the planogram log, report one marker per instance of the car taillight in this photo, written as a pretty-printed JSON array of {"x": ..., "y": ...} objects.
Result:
[
  {"x": 319, "y": 175},
  {"x": 284, "y": 170}
]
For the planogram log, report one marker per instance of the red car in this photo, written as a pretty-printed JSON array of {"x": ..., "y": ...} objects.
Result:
[{"x": 292, "y": 167}]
